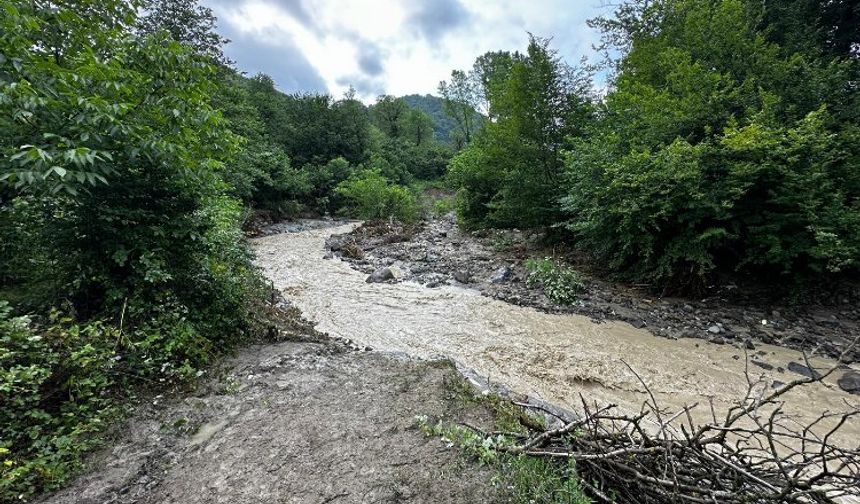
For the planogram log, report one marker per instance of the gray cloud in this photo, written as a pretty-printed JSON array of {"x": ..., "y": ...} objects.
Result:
[
  {"x": 434, "y": 19},
  {"x": 371, "y": 59},
  {"x": 286, "y": 64},
  {"x": 367, "y": 87},
  {"x": 298, "y": 10}
]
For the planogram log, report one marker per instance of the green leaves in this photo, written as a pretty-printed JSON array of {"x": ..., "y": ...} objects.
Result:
[
  {"x": 712, "y": 154},
  {"x": 369, "y": 195}
]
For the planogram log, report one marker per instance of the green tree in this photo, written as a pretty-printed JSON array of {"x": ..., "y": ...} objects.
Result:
[
  {"x": 418, "y": 127},
  {"x": 389, "y": 115},
  {"x": 111, "y": 158},
  {"x": 461, "y": 100},
  {"x": 540, "y": 105},
  {"x": 718, "y": 150},
  {"x": 187, "y": 22}
]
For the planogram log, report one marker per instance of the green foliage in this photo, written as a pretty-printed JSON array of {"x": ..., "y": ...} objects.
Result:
[
  {"x": 445, "y": 127},
  {"x": 389, "y": 115},
  {"x": 511, "y": 174},
  {"x": 717, "y": 151},
  {"x": 54, "y": 388},
  {"x": 186, "y": 22},
  {"x": 114, "y": 207},
  {"x": 560, "y": 283},
  {"x": 368, "y": 195}
]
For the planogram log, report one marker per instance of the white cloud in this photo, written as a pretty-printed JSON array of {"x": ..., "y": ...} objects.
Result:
[{"x": 401, "y": 46}]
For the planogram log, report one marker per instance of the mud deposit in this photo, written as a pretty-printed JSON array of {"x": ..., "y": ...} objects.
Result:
[
  {"x": 302, "y": 423},
  {"x": 552, "y": 357},
  {"x": 492, "y": 262}
]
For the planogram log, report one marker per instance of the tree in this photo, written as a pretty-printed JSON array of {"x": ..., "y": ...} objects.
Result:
[
  {"x": 418, "y": 127},
  {"x": 112, "y": 158},
  {"x": 718, "y": 150},
  {"x": 516, "y": 179},
  {"x": 187, "y": 22},
  {"x": 461, "y": 97},
  {"x": 389, "y": 114}
]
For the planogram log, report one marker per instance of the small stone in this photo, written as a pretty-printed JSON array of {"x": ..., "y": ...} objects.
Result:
[
  {"x": 749, "y": 345},
  {"x": 718, "y": 341},
  {"x": 462, "y": 276},
  {"x": 688, "y": 308},
  {"x": 776, "y": 384},
  {"x": 638, "y": 324},
  {"x": 763, "y": 365},
  {"x": 715, "y": 329}
]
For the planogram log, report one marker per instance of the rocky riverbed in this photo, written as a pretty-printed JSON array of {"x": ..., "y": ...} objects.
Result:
[{"x": 438, "y": 253}]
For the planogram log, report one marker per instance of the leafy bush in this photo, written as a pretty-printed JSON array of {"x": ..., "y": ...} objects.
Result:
[
  {"x": 368, "y": 195},
  {"x": 121, "y": 213},
  {"x": 560, "y": 283},
  {"x": 717, "y": 151},
  {"x": 54, "y": 387},
  {"x": 472, "y": 172}
]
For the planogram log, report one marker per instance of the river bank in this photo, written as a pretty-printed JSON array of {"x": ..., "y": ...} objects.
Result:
[
  {"x": 548, "y": 356},
  {"x": 308, "y": 420},
  {"x": 438, "y": 253}
]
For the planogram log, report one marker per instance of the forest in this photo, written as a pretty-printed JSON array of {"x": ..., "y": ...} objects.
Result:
[{"x": 135, "y": 158}]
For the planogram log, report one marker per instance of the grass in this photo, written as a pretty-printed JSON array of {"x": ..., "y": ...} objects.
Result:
[{"x": 525, "y": 479}]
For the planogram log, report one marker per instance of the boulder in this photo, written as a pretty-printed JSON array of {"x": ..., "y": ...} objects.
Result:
[
  {"x": 850, "y": 382},
  {"x": 380, "y": 275},
  {"x": 462, "y": 276},
  {"x": 501, "y": 275}
]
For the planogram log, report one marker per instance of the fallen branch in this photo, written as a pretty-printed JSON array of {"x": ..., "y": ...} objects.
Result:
[{"x": 757, "y": 453}]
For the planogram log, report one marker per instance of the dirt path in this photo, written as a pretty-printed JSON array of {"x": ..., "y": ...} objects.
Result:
[
  {"x": 549, "y": 356},
  {"x": 303, "y": 423}
]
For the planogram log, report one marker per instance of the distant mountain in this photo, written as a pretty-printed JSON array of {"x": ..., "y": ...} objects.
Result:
[{"x": 431, "y": 105}]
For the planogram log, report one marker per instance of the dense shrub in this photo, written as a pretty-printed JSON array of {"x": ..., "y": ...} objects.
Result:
[
  {"x": 54, "y": 387},
  {"x": 120, "y": 216},
  {"x": 718, "y": 151},
  {"x": 369, "y": 195}
]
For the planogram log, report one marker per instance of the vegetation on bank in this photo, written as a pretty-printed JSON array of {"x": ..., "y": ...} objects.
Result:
[
  {"x": 131, "y": 153},
  {"x": 727, "y": 142},
  {"x": 523, "y": 479}
]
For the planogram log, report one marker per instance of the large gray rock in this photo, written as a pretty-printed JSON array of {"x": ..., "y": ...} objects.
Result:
[
  {"x": 850, "y": 382},
  {"x": 462, "y": 276},
  {"x": 380, "y": 275},
  {"x": 501, "y": 275}
]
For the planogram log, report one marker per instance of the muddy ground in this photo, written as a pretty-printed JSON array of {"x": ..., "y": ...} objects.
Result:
[
  {"x": 305, "y": 422},
  {"x": 437, "y": 252}
]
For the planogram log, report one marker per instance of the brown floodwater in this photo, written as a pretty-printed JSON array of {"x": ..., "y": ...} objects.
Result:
[{"x": 551, "y": 357}]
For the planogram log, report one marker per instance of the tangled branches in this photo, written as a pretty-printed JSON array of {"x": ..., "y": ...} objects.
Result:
[{"x": 754, "y": 453}]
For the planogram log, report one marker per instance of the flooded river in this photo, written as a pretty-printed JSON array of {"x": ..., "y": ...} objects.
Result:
[{"x": 552, "y": 357}]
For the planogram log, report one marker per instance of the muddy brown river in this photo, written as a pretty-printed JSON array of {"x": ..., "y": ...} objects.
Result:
[{"x": 552, "y": 357}]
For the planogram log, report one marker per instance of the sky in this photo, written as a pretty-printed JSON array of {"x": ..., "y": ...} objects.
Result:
[{"x": 393, "y": 47}]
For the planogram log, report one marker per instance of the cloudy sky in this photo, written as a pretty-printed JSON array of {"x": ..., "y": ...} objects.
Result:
[{"x": 390, "y": 46}]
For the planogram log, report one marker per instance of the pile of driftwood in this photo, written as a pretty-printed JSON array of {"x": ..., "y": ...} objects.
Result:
[{"x": 752, "y": 453}]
